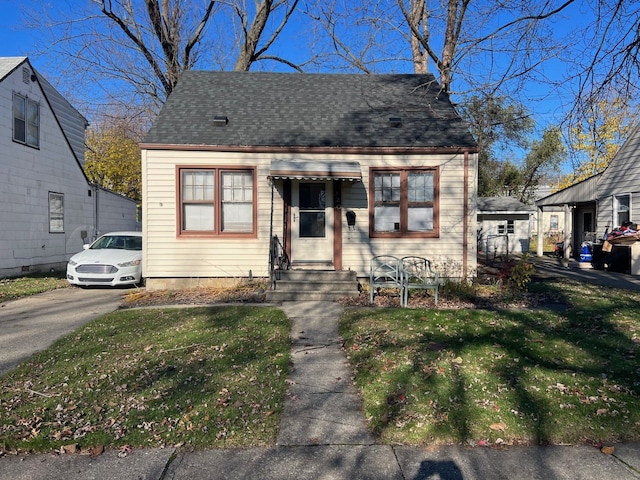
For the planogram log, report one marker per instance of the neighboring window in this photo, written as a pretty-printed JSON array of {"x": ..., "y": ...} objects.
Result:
[
  {"x": 622, "y": 210},
  {"x": 216, "y": 201},
  {"x": 501, "y": 229},
  {"x": 56, "y": 212},
  {"x": 511, "y": 227},
  {"x": 26, "y": 121},
  {"x": 404, "y": 202},
  {"x": 553, "y": 222}
]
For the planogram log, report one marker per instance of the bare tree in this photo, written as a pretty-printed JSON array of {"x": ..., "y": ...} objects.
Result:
[
  {"x": 134, "y": 51},
  {"x": 482, "y": 46},
  {"x": 611, "y": 57},
  {"x": 477, "y": 31},
  {"x": 252, "y": 35}
]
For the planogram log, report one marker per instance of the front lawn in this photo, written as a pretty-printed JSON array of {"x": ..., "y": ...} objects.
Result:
[
  {"x": 200, "y": 377},
  {"x": 13, "y": 288},
  {"x": 567, "y": 372}
]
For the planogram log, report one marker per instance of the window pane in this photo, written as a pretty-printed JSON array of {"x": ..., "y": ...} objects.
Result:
[
  {"x": 19, "y": 107},
  {"x": 237, "y": 201},
  {"x": 623, "y": 209},
  {"x": 420, "y": 187},
  {"x": 198, "y": 217},
  {"x": 312, "y": 224},
  {"x": 33, "y": 127},
  {"x": 198, "y": 186},
  {"x": 237, "y": 187},
  {"x": 387, "y": 187},
  {"x": 19, "y": 119},
  {"x": 420, "y": 219},
  {"x": 386, "y": 218},
  {"x": 56, "y": 212},
  {"x": 19, "y": 133},
  {"x": 237, "y": 217},
  {"x": 312, "y": 196}
]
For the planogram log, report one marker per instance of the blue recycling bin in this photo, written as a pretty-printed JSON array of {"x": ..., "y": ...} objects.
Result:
[{"x": 585, "y": 253}]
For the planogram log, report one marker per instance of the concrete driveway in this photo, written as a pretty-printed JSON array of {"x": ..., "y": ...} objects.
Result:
[{"x": 32, "y": 324}]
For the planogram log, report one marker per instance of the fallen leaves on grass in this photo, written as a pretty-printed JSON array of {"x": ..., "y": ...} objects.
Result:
[{"x": 250, "y": 292}]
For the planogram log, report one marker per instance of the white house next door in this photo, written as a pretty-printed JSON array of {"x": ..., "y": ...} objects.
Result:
[{"x": 311, "y": 222}]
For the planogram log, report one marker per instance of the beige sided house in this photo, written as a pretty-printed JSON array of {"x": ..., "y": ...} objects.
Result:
[{"x": 250, "y": 174}]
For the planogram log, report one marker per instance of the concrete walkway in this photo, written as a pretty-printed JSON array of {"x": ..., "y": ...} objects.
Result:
[{"x": 322, "y": 406}]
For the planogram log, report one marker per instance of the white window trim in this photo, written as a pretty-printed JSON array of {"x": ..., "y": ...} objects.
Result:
[
  {"x": 616, "y": 208},
  {"x": 27, "y": 125}
]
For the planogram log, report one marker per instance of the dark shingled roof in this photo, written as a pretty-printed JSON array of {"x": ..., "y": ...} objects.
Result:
[
  {"x": 503, "y": 205},
  {"x": 308, "y": 110}
]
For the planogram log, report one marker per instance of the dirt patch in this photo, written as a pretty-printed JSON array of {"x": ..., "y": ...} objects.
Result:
[{"x": 251, "y": 292}]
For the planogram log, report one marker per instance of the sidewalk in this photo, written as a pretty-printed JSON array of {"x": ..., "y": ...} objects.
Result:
[{"x": 323, "y": 436}]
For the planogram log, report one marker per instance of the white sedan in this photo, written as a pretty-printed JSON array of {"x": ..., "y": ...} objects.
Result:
[{"x": 114, "y": 259}]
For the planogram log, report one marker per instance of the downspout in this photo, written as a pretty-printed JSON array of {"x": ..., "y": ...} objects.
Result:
[
  {"x": 465, "y": 224},
  {"x": 96, "y": 230},
  {"x": 270, "y": 268}
]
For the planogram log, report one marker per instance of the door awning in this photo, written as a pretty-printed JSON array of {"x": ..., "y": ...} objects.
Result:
[{"x": 315, "y": 170}]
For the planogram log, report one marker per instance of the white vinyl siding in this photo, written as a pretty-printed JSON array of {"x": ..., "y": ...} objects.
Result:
[
  {"x": 166, "y": 254},
  {"x": 31, "y": 238}
]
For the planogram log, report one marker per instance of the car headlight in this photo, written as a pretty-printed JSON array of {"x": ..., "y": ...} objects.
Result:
[
  {"x": 131, "y": 263},
  {"x": 72, "y": 263}
]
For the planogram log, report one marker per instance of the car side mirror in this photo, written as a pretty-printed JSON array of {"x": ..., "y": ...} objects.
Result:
[{"x": 85, "y": 246}]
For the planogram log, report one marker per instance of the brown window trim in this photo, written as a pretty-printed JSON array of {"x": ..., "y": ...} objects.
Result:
[
  {"x": 404, "y": 204},
  {"x": 217, "y": 202}
]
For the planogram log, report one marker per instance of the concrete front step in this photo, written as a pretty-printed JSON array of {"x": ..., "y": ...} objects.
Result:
[
  {"x": 308, "y": 285},
  {"x": 316, "y": 275},
  {"x": 276, "y": 296}
]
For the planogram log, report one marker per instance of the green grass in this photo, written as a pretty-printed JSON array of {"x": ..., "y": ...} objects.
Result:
[
  {"x": 13, "y": 288},
  {"x": 202, "y": 377},
  {"x": 512, "y": 376}
]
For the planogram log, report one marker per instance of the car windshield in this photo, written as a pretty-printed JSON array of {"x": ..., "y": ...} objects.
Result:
[{"x": 122, "y": 242}]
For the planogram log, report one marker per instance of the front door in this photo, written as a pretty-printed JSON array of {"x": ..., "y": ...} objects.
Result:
[{"x": 311, "y": 222}]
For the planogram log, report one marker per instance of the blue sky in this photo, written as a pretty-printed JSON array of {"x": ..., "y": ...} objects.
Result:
[
  {"x": 13, "y": 40},
  {"x": 546, "y": 104}
]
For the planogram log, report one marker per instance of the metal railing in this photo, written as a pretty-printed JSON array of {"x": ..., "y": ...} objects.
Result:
[{"x": 278, "y": 259}]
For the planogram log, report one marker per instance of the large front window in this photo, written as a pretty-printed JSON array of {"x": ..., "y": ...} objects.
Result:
[
  {"x": 216, "y": 201},
  {"x": 404, "y": 202}
]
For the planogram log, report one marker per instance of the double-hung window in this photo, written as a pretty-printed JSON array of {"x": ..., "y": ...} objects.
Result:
[
  {"x": 622, "y": 210},
  {"x": 56, "y": 212},
  {"x": 404, "y": 202},
  {"x": 216, "y": 201},
  {"x": 26, "y": 120}
]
